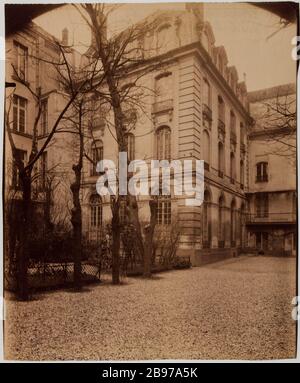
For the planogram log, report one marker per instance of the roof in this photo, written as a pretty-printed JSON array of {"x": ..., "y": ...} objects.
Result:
[{"x": 273, "y": 92}]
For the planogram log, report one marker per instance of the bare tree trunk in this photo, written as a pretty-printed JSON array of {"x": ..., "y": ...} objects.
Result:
[
  {"x": 76, "y": 212},
  {"x": 76, "y": 220},
  {"x": 23, "y": 254},
  {"x": 149, "y": 234},
  {"x": 115, "y": 225},
  {"x": 133, "y": 213}
]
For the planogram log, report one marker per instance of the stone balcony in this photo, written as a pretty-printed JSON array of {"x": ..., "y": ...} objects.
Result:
[
  {"x": 271, "y": 218},
  {"x": 162, "y": 106}
]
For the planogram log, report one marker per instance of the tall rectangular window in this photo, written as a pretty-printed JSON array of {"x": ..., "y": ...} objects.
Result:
[
  {"x": 21, "y": 60},
  {"x": 163, "y": 143},
  {"x": 16, "y": 181},
  {"x": 44, "y": 116},
  {"x": 262, "y": 172},
  {"x": 19, "y": 114},
  {"x": 164, "y": 210},
  {"x": 164, "y": 87},
  {"x": 97, "y": 155}
]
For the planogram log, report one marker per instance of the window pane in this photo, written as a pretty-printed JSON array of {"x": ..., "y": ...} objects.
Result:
[
  {"x": 22, "y": 120},
  {"x": 15, "y": 118}
]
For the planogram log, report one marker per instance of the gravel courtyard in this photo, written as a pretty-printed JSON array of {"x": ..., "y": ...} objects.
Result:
[{"x": 236, "y": 309}]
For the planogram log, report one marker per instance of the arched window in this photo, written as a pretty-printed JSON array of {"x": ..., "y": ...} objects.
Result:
[
  {"x": 221, "y": 228},
  {"x": 96, "y": 211},
  {"x": 221, "y": 159},
  {"x": 232, "y": 167},
  {"x": 233, "y": 224},
  {"x": 164, "y": 87},
  {"x": 206, "y": 221},
  {"x": 130, "y": 141},
  {"x": 163, "y": 143},
  {"x": 206, "y": 149},
  {"x": 262, "y": 172},
  {"x": 242, "y": 225},
  {"x": 97, "y": 155}
]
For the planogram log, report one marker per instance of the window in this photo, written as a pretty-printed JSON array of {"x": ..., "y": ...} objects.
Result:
[
  {"x": 163, "y": 143},
  {"x": 242, "y": 225},
  {"x": 206, "y": 221},
  {"x": 97, "y": 155},
  {"x": 221, "y": 159},
  {"x": 43, "y": 171},
  {"x": 162, "y": 37},
  {"x": 96, "y": 211},
  {"x": 164, "y": 87},
  {"x": 232, "y": 223},
  {"x": 206, "y": 150},
  {"x": 242, "y": 133},
  {"x": 21, "y": 60},
  {"x": 130, "y": 140},
  {"x": 44, "y": 117},
  {"x": 262, "y": 205},
  {"x": 206, "y": 93},
  {"x": 232, "y": 123},
  {"x": 262, "y": 172},
  {"x": 262, "y": 240},
  {"x": 16, "y": 181},
  {"x": 19, "y": 114},
  {"x": 232, "y": 167},
  {"x": 221, "y": 228},
  {"x": 242, "y": 174},
  {"x": 164, "y": 210},
  {"x": 221, "y": 109}
]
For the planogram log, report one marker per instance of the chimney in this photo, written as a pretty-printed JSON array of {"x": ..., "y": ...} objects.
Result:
[
  {"x": 65, "y": 36},
  {"x": 197, "y": 9}
]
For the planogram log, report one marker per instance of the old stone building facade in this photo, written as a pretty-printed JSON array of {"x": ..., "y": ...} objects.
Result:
[
  {"x": 29, "y": 57},
  {"x": 272, "y": 196},
  {"x": 199, "y": 110}
]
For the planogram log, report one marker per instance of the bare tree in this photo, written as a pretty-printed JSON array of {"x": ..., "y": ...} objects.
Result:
[
  {"x": 278, "y": 124},
  {"x": 77, "y": 82},
  {"x": 119, "y": 55}
]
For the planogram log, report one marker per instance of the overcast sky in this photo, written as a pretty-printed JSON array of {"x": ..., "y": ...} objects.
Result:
[{"x": 243, "y": 29}]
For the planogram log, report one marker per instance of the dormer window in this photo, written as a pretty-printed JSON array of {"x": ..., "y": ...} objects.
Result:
[
  {"x": 162, "y": 37},
  {"x": 21, "y": 58}
]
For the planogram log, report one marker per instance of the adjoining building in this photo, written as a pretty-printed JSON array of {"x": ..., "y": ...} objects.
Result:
[{"x": 272, "y": 195}]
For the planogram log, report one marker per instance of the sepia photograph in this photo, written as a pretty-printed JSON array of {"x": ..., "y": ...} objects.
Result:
[{"x": 149, "y": 181}]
